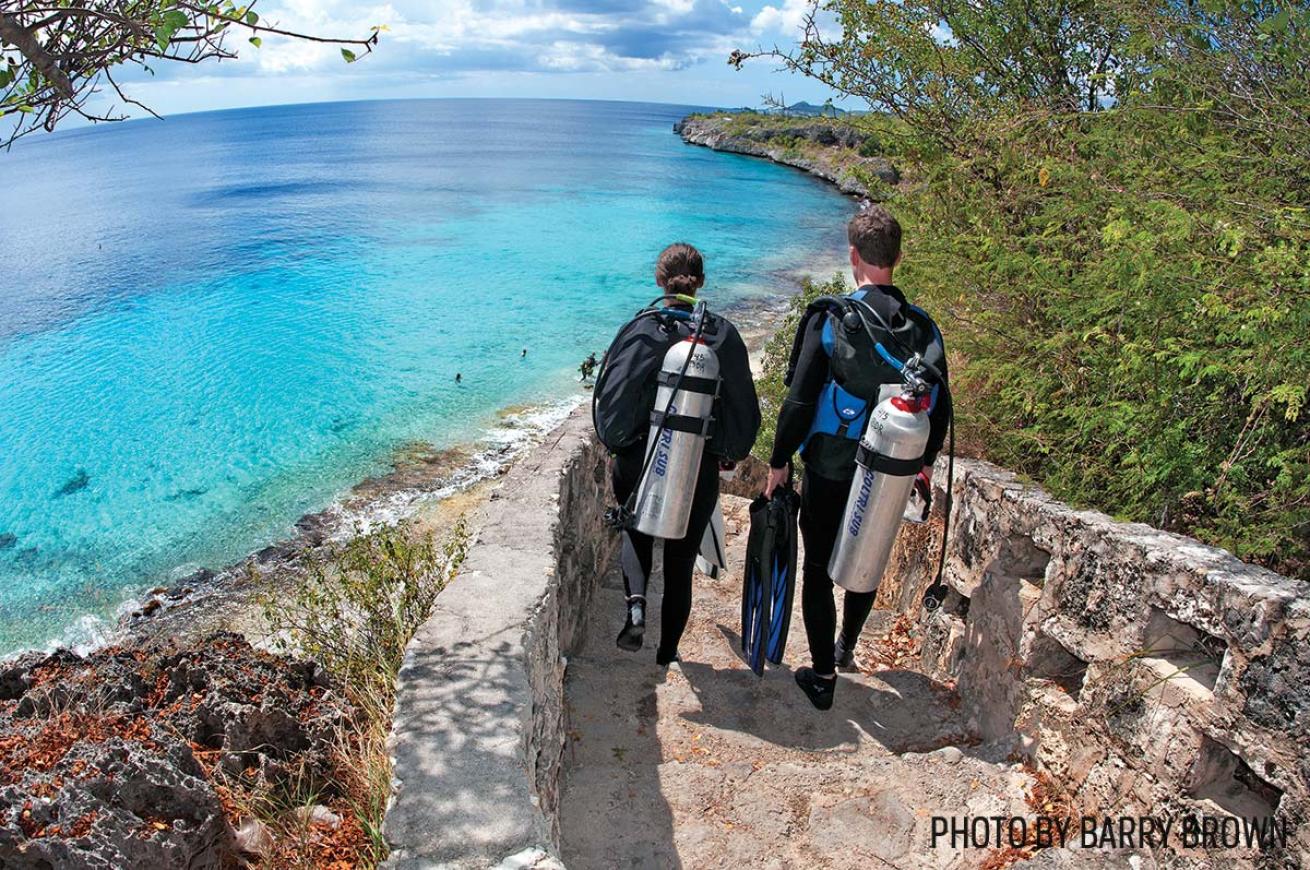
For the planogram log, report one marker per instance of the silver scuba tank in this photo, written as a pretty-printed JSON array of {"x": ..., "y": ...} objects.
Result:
[
  {"x": 665, "y": 492},
  {"x": 889, "y": 456}
]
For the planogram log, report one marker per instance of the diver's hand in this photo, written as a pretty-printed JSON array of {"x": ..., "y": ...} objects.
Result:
[{"x": 777, "y": 477}]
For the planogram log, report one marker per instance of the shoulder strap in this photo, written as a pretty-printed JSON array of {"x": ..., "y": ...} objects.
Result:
[
  {"x": 835, "y": 305},
  {"x": 935, "y": 352},
  {"x": 926, "y": 320}
]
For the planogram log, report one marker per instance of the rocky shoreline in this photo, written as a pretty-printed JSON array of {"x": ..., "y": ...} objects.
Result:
[
  {"x": 426, "y": 485},
  {"x": 829, "y": 150}
]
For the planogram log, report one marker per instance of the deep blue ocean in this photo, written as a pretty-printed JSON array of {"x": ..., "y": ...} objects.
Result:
[{"x": 214, "y": 324}]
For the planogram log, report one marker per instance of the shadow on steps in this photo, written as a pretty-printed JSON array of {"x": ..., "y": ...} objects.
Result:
[{"x": 901, "y": 711}]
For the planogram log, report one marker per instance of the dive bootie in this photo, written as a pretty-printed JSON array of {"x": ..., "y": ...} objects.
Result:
[
  {"x": 634, "y": 626},
  {"x": 845, "y": 658},
  {"x": 816, "y": 688}
]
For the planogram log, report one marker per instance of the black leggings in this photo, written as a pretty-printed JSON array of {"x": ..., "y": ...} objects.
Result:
[
  {"x": 679, "y": 555},
  {"x": 823, "y": 502}
]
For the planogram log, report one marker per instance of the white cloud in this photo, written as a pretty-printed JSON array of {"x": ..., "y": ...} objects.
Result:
[
  {"x": 495, "y": 34},
  {"x": 584, "y": 57},
  {"x": 615, "y": 49},
  {"x": 786, "y": 19},
  {"x": 677, "y": 7}
]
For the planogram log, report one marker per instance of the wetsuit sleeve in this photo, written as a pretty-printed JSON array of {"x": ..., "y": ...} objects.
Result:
[
  {"x": 797, "y": 413},
  {"x": 939, "y": 417},
  {"x": 739, "y": 407}
]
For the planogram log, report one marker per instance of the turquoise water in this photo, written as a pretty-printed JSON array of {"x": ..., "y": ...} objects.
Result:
[{"x": 212, "y": 325}]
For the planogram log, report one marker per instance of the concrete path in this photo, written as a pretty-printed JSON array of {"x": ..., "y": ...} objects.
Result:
[{"x": 705, "y": 765}]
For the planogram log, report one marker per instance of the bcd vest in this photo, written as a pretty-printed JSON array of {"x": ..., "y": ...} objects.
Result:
[{"x": 860, "y": 374}]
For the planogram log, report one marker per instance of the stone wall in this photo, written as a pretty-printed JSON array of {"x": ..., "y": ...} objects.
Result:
[
  {"x": 479, "y": 727},
  {"x": 1146, "y": 672}
]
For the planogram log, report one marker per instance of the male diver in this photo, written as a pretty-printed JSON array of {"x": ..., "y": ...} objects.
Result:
[
  {"x": 622, "y": 410},
  {"x": 587, "y": 367},
  {"x": 825, "y": 423}
]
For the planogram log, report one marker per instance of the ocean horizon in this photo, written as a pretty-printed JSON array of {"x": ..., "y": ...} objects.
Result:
[{"x": 218, "y": 324}]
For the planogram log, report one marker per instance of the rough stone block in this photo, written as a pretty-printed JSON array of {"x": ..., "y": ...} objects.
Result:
[{"x": 1154, "y": 672}]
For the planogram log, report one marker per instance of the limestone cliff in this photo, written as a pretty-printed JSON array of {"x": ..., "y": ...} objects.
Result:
[{"x": 833, "y": 150}]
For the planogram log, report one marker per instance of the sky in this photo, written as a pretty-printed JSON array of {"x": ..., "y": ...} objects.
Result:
[{"x": 672, "y": 51}]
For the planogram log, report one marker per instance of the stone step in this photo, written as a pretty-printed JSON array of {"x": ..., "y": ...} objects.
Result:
[{"x": 707, "y": 765}]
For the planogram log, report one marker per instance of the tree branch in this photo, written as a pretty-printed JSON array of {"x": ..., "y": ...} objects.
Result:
[
  {"x": 26, "y": 42},
  {"x": 59, "y": 52}
]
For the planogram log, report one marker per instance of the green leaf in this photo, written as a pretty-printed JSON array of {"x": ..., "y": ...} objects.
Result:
[
  {"x": 1279, "y": 22},
  {"x": 348, "y": 55},
  {"x": 26, "y": 109},
  {"x": 256, "y": 41},
  {"x": 169, "y": 24},
  {"x": 252, "y": 18},
  {"x": 5, "y": 77},
  {"x": 1292, "y": 396}
]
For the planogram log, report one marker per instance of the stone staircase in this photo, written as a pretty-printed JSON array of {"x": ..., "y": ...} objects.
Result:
[
  {"x": 1081, "y": 670},
  {"x": 706, "y": 765}
]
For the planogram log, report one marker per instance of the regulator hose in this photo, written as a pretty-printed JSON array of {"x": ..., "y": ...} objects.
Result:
[{"x": 936, "y": 593}]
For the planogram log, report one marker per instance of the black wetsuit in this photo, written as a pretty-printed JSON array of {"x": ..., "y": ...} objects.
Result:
[
  {"x": 829, "y": 470},
  {"x": 737, "y": 421}
]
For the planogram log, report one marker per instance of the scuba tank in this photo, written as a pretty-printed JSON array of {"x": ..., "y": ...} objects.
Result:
[
  {"x": 679, "y": 426},
  {"x": 889, "y": 457}
]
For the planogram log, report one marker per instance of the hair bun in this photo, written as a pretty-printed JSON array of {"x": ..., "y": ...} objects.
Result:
[
  {"x": 680, "y": 283},
  {"x": 680, "y": 269}
]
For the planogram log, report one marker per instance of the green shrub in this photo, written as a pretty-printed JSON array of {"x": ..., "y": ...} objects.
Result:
[
  {"x": 1113, "y": 229},
  {"x": 355, "y": 611},
  {"x": 1129, "y": 334}
]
